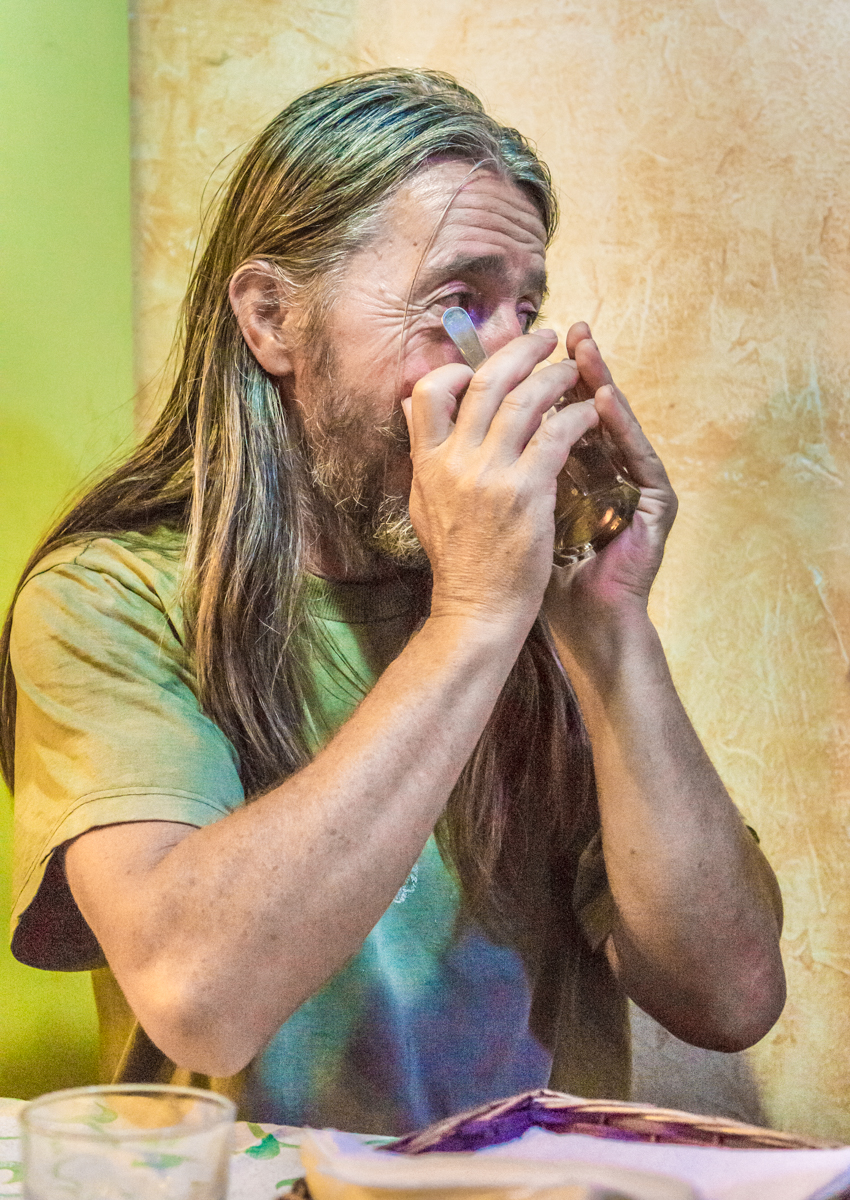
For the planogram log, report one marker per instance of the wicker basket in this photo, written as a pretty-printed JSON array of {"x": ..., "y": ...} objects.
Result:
[{"x": 503, "y": 1120}]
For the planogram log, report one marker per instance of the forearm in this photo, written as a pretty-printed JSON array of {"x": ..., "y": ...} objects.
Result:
[
  {"x": 219, "y": 937},
  {"x": 243, "y": 920},
  {"x": 696, "y": 940}
]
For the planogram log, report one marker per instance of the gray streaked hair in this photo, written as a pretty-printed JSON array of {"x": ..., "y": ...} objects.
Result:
[{"x": 225, "y": 463}]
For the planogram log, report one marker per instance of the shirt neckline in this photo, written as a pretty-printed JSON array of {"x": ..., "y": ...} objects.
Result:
[{"x": 362, "y": 603}]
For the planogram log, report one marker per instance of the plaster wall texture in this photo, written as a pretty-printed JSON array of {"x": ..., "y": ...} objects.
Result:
[{"x": 702, "y": 152}]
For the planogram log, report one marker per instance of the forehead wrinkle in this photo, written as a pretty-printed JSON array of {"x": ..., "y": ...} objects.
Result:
[
  {"x": 504, "y": 236},
  {"x": 513, "y": 211},
  {"x": 479, "y": 197}
]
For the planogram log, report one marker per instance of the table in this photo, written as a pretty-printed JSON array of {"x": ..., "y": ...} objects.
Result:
[
  {"x": 265, "y": 1157},
  {"x": 266, "y": 1161}
]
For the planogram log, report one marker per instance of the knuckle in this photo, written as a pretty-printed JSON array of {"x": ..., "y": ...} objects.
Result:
[
  {"x": 478, "y": 386},
  {"x": 549, "y": 434},
  {"x": 442, "y": 381},
  {"x": 508, "y": 495},
  {"x": 556, "y": 380},
  {"x": 456, "y": 464},
  {"x": 513, "y": 403},
  {"x": 427, "y": 389}
]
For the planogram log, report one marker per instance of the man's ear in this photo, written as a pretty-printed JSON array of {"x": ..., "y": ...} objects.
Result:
[{"x": 259, "y": 301}]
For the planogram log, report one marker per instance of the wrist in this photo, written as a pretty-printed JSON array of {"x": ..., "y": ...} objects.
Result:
[
  {"x": 597, "y": 651},
  {"x": 507, "y": 619},
  {"x": 458, "y": 656},
  {"x": 474, "y": 633}
]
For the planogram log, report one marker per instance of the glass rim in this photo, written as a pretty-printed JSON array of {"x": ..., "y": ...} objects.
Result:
[{"x": 32, "y": 1123}]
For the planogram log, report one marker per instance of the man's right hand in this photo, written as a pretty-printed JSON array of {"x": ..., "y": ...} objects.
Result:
[{"x": 485, "y": 474}]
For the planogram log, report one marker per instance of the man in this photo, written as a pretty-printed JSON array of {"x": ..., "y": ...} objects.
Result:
[{"x": 281, "y": 599}]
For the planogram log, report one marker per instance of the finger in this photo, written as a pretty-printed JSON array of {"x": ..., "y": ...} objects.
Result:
[
  {"x": 431, "y": 409},
  {"x": 575, "y": 334},
  {"x": 549, "y": 448},
  {"x": 639, "y": 458},
  {"x": 499, "y": 375},
  {"x": 521, "y": 411},
  {"x": 592, "y": 366}
]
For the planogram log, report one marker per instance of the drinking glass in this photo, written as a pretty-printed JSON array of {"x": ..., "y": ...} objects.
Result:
[
  {"x": 596, "y": 498},
  {"x": 127, "y": 1142}
]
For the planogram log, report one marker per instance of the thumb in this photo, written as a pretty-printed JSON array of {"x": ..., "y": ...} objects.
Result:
[{"x": 430, "y": 410}]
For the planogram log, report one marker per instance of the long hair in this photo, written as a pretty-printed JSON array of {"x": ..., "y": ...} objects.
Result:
[{"x": 223, "y": 463}]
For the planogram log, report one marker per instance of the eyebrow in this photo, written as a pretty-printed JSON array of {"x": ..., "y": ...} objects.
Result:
[{"x": 481, "y": 264}]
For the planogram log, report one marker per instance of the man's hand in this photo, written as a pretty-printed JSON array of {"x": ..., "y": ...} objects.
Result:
[
  {"x": 484, "y": 477},
  {"x": 581, "y": 599}
]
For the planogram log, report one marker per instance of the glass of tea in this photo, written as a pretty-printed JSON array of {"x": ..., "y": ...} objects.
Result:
[{"x": 596, "y": 498}]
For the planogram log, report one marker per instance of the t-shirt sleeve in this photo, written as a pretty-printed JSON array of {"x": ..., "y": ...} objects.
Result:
[{"x": 108, "y": 730}]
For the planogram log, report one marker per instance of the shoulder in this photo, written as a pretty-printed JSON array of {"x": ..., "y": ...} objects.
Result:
[
  {"x": 124, "y": 576},
  {"x": 148, "y": 560}
]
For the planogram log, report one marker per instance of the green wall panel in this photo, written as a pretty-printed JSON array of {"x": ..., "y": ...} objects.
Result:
[{"x": 65, "y": 378}]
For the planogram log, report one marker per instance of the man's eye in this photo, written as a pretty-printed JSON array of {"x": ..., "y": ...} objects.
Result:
[
  {"x": 527, "y": 317},
  {"x": 456, "y": 300}
]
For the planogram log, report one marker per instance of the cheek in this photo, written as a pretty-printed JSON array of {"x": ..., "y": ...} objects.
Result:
[
  {"x": 374, "y": 356},
  {"x": 425, "y": 349}
]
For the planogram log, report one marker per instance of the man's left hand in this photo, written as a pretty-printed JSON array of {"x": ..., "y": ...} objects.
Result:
[
  {"x": 621, "y": 575},
  {"x": 695, "y": 940}
]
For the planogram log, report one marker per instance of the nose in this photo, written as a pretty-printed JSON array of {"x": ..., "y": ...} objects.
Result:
[{"x": 499, "y": 328}]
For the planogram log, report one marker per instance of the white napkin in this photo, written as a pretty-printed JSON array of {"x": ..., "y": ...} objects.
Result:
[
  {"x": 543, "y": 1159},
  {"x": 339, "y": 1167}
]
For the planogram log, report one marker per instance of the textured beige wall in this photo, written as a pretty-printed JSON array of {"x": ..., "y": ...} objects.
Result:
[{"x": 703, "y": 155}]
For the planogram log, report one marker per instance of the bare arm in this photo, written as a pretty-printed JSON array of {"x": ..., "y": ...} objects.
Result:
[
  {"x": 191, "y": 920},
  {"x": 696, "y": 942}
]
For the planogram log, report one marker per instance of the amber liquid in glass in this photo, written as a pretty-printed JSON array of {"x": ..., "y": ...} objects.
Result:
[{"x": 596, "y": 499}]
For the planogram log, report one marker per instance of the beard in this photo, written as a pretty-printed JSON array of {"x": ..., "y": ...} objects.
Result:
[{"x": 350, "y": 513}]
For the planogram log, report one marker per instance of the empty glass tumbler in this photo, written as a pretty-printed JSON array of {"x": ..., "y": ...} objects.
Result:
[{"x": 127, "y": 1142}]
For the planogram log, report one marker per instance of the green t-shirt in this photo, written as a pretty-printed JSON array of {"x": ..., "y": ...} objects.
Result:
[{"x": 430, "y": 1016}]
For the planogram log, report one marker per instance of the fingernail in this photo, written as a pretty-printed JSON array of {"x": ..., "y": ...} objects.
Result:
[{"x": 546, "y": 333}]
